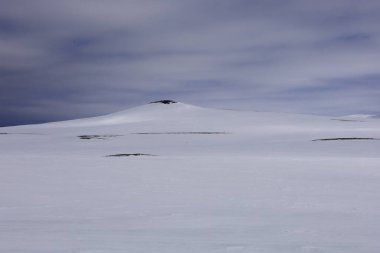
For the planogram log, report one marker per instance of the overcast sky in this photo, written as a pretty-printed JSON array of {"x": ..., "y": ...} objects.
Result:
[{"x": 77, "y": 58}]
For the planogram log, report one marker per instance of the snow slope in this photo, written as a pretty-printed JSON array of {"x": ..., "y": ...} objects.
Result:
[{"x": 213, "y": 181}]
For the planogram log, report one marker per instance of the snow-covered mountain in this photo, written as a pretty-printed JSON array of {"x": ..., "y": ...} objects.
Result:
[{"x": 172, "y": 177}]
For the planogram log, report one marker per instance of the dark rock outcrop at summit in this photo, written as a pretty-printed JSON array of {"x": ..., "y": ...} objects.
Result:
[{"x": 165, "y": 101}]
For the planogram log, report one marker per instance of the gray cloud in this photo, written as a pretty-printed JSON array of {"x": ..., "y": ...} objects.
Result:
[{"x": 67, "y": 59}]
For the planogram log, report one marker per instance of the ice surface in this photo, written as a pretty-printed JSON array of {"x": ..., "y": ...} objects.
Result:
[{"x": 261, "y": 186}]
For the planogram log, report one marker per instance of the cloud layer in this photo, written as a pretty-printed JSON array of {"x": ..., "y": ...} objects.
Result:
[{"x": 67, "y": 59}]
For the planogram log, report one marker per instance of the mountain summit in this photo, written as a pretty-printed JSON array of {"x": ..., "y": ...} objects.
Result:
[{"x": 165, "y": 101}]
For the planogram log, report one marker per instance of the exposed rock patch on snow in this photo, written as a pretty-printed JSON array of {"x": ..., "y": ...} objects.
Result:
[
  {"x": 165, "y": 101},
  {"x": 345, "y": 139},
  {"x": 132, "y": 154},
  {"x": 96, "y": 136}
]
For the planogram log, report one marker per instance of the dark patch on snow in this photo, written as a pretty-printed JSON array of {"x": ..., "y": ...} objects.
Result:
[
  {"x": 24, "y": 133},
  {"x": 165, "y": 101},
  {"x": 345, "y": 139},
  {"x": 97, "y": 137},
  {"x": 350, "y": 120},
  {"x": 132, "y": 154},
  {"x": 182, "y": 133}
]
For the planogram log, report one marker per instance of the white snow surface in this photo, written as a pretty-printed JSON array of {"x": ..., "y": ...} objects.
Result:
[{"x": 217, "y": 181}]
